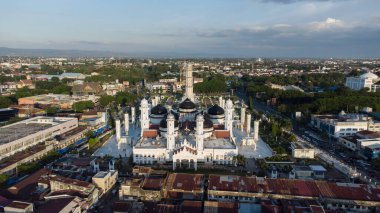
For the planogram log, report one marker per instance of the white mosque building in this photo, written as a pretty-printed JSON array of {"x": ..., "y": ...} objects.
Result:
[{"x": 187, "y": 136}]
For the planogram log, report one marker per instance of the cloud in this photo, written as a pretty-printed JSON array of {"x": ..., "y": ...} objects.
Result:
[{"x": 328, "y": 24}]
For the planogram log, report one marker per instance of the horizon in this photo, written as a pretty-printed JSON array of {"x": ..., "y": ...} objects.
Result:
[{"x": 197, "y": 29}]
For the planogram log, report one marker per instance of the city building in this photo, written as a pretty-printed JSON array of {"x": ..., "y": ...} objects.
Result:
[
  {"x": 344, "y": 124},
  {"x": 19, "y": 207},
  {"x": 25, "y": 83},
  {"x": 62, "y": 185},
  {"x": 61, "y": 101},
  {"x": 367, "y": 80},
  {"x": 302, "y": 150},
  {"x": 27, "y": 133},
  {"x": 87, "y": 89},
  {"x": 65, "y": 75},
  {"x": 105, "y": 180},
  {"x": 360, "y": 140},
  {"x": 333, "y": 196}
]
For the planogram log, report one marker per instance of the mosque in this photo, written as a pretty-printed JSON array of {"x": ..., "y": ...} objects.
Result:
[{"x": 188, "y": 136}]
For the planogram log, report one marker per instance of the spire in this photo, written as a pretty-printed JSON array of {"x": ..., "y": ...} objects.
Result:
[{"x": 189, "y": 81}]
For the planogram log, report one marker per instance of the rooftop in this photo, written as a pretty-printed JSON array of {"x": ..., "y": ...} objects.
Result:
[
  {"x": 294, "y": 187},
  {"x": 185, "y": 182},
  {"x": 27, "y": 127}
]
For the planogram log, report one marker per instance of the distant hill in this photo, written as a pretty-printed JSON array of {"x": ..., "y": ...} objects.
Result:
[{"x": 5, "y": 51}]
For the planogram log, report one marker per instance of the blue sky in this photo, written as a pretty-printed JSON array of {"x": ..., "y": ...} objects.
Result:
[{"x": 236, "y": 28}]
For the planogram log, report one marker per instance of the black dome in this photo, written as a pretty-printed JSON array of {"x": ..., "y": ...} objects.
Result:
[
  {"x": 187, "y": 104},
  {"x": 207, "y": 123},
  {"x": 159, "y": 110},
  {"x": 163, "y": 123},
  {"x": 215, "y": 110}
]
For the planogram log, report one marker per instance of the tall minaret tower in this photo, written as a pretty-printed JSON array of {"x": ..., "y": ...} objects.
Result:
[
  {"x": 228, "y": 118},
  {"x": 118, "y": 130},
  {"x": 242, "y": 115},
  {"x": 170, "y": 136},
  {"x": 126, "y": 123},
  {"x": 144, "y": 117},
  {"x": 256, "y": 124},
  {"x": 199, "y": 132},
  {"x": 189, "y": 82}
]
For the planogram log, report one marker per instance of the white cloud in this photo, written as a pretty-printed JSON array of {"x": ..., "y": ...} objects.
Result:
[{"x": 328, "y": 24}]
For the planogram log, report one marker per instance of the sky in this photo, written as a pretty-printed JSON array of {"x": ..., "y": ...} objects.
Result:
[{"x": 196, "y": 28}]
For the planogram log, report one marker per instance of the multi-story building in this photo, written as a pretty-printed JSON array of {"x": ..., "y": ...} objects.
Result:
[
  {"x": 105, "y": 180},
  {"x": 21, "y": 135},
  {"x": 344, "y": 124},
  {"x": 88, "y": 190}
]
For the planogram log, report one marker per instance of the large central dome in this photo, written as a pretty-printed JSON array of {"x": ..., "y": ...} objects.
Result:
[
  {"x": 159, "y": 110},
  {"x": 187, "y": 106}
]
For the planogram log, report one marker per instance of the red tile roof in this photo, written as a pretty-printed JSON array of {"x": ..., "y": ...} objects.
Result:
[
  {"x": 307, "y": 188},
  {"x": 150, "y": 133},
  {"x": 185, "y": 182},
  {"x": 222, "y": 133}
]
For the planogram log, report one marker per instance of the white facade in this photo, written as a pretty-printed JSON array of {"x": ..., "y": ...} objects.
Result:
[{"x": 21, "y": 135}]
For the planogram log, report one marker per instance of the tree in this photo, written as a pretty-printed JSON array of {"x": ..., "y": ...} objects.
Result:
[
  {"x": 5, "y": 102},
  {"x": 55, "y": 79},
  {"x": 105, "y": 100},
  {"x": 51, "y": 110},
  {"x": 80, "y": 106}
]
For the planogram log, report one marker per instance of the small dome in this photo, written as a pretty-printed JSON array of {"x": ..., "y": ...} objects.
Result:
[
  {"x": 159, "y": 110},
  {"x": 215, "y": 110},
  {"x": 369, "y": 75},
  {"x": 187, "y": 104}
]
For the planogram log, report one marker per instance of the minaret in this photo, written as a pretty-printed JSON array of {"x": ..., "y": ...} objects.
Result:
[
  {"x": 221, "y": 101},
  {"x": 144, "y": 117},
  {"x": 248, "y": 124},
  {"x": 133, "y": 114},
  {"x": 170, "y": 136},
  {"x": 256, "y": 124},
  {"x": 228, "y": 118},
  {"x": 126, "y": 123},
  {"x": 242, "y": 116},
  {"x": 189, "y": 82},
  {"x": 117, "y": 126},
  {"x": 199, "y": 132}
]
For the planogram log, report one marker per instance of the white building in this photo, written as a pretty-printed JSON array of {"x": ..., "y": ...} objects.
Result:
[
  {"x": 302, "y": 151},
  {"x": 21, "y": 135},
  {"x": 367, "y": 80},
  {"x": 343, "y": 124}
]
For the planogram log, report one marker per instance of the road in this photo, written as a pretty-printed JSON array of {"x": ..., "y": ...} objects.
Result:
[{"x": 323, "y": 149}]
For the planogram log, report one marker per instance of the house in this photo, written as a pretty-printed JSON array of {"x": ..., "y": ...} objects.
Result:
[
  {"x": 19, "y": 207},
  {"x": 105, "y": 180},
  {"x": 25, "y": 83},
  {"x": 70, "y": 204},
  {"x": 85, "y": 89}
]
